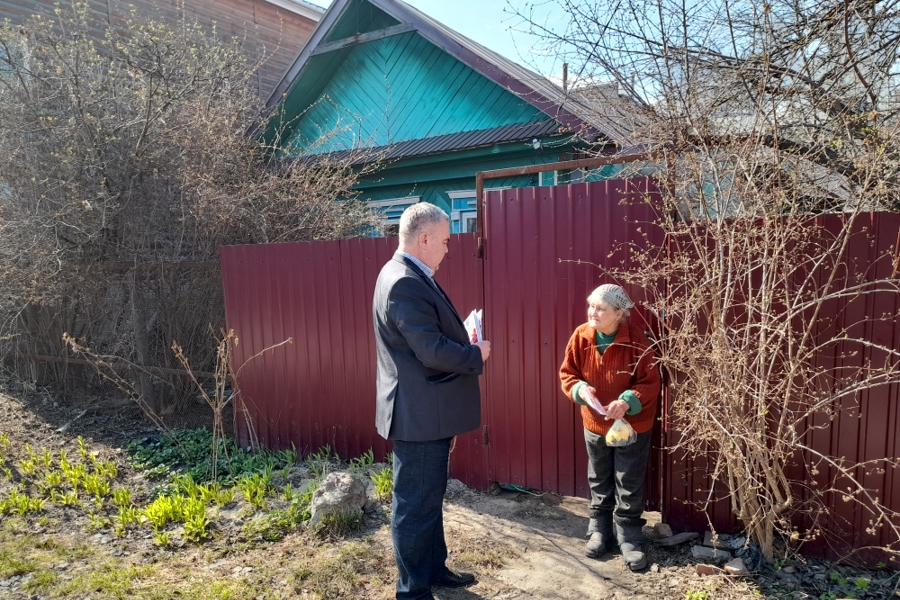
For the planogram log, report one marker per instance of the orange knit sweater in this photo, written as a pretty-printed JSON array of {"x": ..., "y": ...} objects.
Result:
[{"x": 627, "y": 364}]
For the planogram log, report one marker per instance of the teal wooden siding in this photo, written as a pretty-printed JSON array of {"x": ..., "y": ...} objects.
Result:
[
  {"x": 360, "y": 17},
  {"x": 402, "y": 88}
]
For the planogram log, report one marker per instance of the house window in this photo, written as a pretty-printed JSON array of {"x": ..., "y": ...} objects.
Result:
[
  {"x": 13, "y": 57},
  {"x": 562, "y": 177},
  {"x": 463, "y": 211},
  {"x": 390, "y": 210}
]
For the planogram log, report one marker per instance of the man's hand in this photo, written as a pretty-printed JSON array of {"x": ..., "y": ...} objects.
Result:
[{"x": 485, "y": 347}]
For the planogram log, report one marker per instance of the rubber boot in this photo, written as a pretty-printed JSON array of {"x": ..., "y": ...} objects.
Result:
[
  {"x": 601, "y": 530},
  {"x": 630, "y": 537},
  {"x": 592, "y": 527}
]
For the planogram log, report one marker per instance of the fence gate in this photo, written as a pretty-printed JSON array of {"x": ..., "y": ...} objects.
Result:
[{"x": 544, "y": 249}]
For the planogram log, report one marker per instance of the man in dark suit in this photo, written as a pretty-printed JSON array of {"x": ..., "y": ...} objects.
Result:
[{"x": 427, "y": 393}]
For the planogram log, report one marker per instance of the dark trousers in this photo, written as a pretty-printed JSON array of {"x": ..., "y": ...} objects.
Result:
[
  {"x": 417, "y": 522},
  {"x": 616, "y": 476}
]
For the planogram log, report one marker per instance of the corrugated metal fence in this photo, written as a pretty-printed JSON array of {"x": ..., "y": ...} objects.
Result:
[
  {"x": 320, "y": 389},
  {"x": 863, "y": 429},
  {"x": 539, "y": 244}
]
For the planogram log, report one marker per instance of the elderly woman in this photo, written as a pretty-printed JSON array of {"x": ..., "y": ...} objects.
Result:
[{"x": 609, "y": 364}]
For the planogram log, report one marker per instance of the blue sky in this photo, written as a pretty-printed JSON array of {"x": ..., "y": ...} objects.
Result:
[{"x": 491, "y": 24}]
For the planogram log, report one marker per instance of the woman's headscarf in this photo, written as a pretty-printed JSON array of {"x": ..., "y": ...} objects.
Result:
[{"x": 612, "y": 295}]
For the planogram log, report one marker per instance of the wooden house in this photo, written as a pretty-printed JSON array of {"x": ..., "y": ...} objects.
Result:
[
  {"x": 435, "y": 107},
  {"x": 273, "y": 30}
]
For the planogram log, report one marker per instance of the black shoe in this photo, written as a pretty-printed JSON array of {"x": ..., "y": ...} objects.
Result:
[{"x": 451, "y": 579}]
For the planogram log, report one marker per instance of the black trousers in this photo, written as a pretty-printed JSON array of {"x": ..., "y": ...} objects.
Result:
[
  {"x": 616, "y": 476},
  {"x": 417, "y": 521}
]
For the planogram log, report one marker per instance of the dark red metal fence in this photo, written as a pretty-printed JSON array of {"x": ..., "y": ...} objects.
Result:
[
  {"x": 320, "y": 389},
  {"x": 863, "y": 429},
  {"x": 314, "y": 391}
]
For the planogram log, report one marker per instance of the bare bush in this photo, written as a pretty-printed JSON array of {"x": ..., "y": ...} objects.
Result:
[
  {"x": 125, "y": 167},
  {"x": 765, "y": 115}
]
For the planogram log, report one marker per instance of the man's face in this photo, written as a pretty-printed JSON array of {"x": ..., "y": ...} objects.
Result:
[{"x": 433, "y": 244}]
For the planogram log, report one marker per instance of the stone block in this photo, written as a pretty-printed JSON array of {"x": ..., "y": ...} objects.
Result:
[
  {"x": 708, "y": 570},
  {"x": 736, "y": 567},
  {"x": 339, "y": 493},
  {"x": 678, "y": 538},
  {"x": 662, "y": 530},
  {"x": 703, "y": 552}
]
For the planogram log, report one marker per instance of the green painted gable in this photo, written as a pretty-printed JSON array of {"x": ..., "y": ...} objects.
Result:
[
  {"x": 360, "y": 17},
  {"x": 396, "y": 89}
]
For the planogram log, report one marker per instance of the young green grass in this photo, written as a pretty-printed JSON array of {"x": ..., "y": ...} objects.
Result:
[
  {"x": 255, "y": 488},
  {"x": 361, "y": 464},
  {"x": 42, "y": 579},
  {"x": 52, "y": 479},
  {"x": 122, "y": 496},
  {"x": 20, "y": 503},
  {"x": 174, "y": 509},
  {"x": 81, "y": 481},
  {"x": 196, "y": 527},
  {"x": 276, "y": 524},
  {"x": 22, "y": 553},
  {"x": 214, "y": 493},
  {"x": 128, "y": 515},
  {"x": 13, "y": 563},
  {"x": 384, "y": 484}
]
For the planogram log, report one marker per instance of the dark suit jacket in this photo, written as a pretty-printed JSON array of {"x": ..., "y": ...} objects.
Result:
[{"x": 427, "y": 382}]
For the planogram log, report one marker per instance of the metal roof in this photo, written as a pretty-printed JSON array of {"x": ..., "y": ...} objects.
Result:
[
  {"x": 453, "y": 141},
  {"x": 608, "y": 119},
  {"x": 301, "y": 7}
]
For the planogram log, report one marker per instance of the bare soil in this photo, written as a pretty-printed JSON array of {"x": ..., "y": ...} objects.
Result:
[{"x": 519, "y": 544}]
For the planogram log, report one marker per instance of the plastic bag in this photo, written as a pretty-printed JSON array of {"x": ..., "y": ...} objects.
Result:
[{"x": 620, "y": 434}]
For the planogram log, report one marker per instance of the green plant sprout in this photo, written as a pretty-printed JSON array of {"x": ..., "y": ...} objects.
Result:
[
  {"x": 362, "y": 463},
  {"x": 384, "y": 483}
]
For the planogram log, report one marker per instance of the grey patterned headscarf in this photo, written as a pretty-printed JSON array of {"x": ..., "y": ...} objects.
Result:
[{"x": 613, "y": 295}]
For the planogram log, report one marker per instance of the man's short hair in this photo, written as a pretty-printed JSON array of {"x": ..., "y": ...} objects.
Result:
[{"x": 419, "y": 217}]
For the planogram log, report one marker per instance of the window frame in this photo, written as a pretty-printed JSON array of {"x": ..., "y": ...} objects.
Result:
[
  {"x": 404, "y": 201},
  {"x": 457, "y": 215},
  {"x": 16, "y": 64}
]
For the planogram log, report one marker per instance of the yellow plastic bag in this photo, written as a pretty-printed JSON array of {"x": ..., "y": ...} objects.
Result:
[{"x": 620, "y": 434}]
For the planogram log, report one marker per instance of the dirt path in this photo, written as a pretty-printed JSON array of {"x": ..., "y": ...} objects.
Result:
[
  {"x": 546, "y": 547},
  {"x": 551, "y": 561}
]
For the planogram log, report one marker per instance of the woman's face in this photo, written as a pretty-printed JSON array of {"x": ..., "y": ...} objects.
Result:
[{"x": 603, "y": 317}]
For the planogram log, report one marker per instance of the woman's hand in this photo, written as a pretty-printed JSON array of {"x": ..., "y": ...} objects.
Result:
[
  {"x": 589, "y": 397},
  {"x": 586, "y": 393},
  {"x": 616, "y": 410}
]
